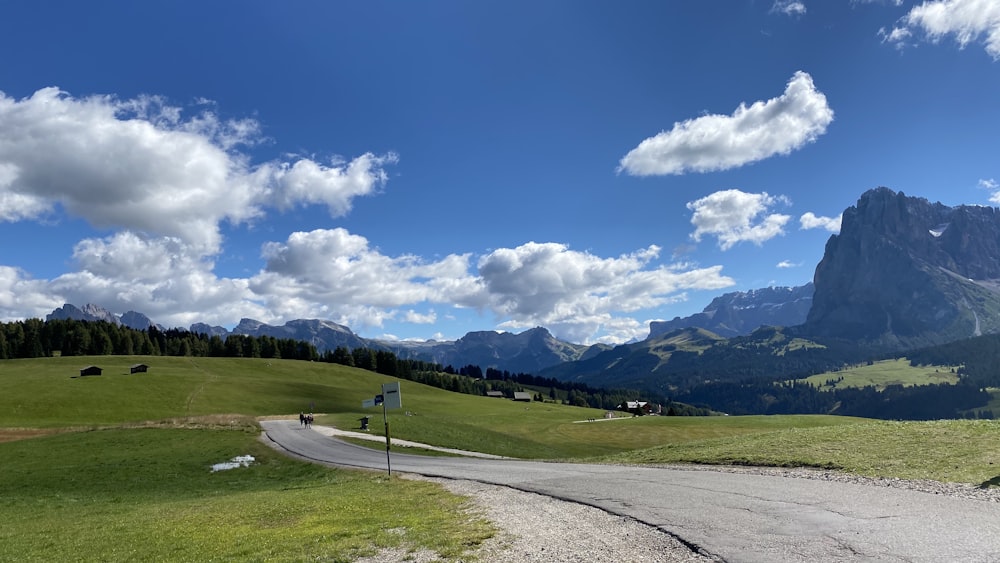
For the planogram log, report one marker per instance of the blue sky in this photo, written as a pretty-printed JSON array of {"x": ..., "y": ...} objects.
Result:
[{"x": 426, "y": 169}]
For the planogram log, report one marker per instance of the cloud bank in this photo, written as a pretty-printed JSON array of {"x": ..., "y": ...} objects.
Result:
[
  {"x": 139, "y": 165},
  {"x": 751, "y": 133}
]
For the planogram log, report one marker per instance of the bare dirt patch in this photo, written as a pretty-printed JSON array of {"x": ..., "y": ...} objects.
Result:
[{"x": 12, "y": 434}]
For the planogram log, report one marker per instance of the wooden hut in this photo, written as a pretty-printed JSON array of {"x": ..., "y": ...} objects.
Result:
[
  {"x": 138, "y": 368},
  {"x": 90, "y": 370}
]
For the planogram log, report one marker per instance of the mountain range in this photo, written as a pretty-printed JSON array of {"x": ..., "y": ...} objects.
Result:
[
  {"x": 902, "y": 273},
  {"x": 530, "y": 351}
]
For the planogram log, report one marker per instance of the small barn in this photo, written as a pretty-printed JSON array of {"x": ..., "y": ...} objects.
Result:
[
  {"x": 495, "y": 394},
  {"x": 522, "y": 396},
  {"x": 138, "y": 368},
  {"x": 90, "y": 370}
]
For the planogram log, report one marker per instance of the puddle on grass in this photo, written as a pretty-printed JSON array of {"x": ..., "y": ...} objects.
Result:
[{"x": 238, "y": 461}]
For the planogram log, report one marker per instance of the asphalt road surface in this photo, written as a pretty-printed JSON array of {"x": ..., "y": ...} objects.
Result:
[{"x": 730, "y": 516}]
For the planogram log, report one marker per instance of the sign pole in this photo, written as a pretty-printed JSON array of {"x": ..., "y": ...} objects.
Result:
[
  {"x": 389, "y": 399},
  {"x": 385, "y": 418}
]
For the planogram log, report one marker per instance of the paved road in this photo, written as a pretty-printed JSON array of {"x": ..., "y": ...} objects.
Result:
[{"x": 733, "y": 517}]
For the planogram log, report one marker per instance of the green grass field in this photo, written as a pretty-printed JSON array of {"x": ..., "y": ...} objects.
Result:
[
  {"x": 148, "y": 494},
  {"x": 117, "y": 466},
  {"x": 884, "y": 373}
]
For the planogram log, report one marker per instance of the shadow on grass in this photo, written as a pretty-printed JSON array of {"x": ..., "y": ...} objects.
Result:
[{"x": 994, "y": 482}]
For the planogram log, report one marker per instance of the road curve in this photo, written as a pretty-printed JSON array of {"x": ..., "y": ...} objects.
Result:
[{"x": 730, "y": 516}]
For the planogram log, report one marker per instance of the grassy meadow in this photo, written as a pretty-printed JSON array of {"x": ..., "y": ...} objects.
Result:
[
  {"x": 117, "y": 466},
  {"x": 884, "y": 373}
]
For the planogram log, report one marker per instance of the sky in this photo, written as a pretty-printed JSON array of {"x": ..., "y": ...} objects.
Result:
[{"x": 418, "y": 170}]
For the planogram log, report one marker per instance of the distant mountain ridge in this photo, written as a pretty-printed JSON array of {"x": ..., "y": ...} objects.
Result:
[
  {"x": 741, "y": 312},
  {"x": 91, "y": 312},
  {"x": 527, "y": 352}
]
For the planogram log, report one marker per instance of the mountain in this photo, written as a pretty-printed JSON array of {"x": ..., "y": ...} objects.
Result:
[
  {"x": 741, "y": 312},
  {"x": 324, "y": 335},
  {"x": 137, "y": 321},
  {"x": 204, "y": 328},
  {"x": 91, "y": 312},
  {"x": 638, "y": 365},
  {"x": 904, "y": 272},
  {"x": 526, "y": 352}
]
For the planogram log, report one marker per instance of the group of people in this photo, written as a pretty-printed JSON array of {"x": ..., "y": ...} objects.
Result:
[{"x": 305, "y": 419}]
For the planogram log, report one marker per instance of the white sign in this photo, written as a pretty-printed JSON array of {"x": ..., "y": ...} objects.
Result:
[{"x": 390, "y": 394}]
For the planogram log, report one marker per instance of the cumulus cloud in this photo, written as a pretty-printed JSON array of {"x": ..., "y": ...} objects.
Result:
[
  {"x": 967, "y": 21},
  {"x": 784, "y": 264},
  {"x": 162, "y": 277},
  {"x": 733, "y": 216},
  {"x": 332, "y": 273},
  {"x": 789, "y": 7},
  {"x": 719, "y": 142},
  {"x": 992, "y": 186},
  {"x": 810, "y": 220},
  {"x": 139, "y": 165},
  {"x": 576, "y": 293},
  {"x": 21, "y": 296}
]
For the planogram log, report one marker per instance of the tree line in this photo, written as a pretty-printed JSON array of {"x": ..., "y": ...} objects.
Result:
[
  {"x": 34, "y": 338},
  {"x": 894, "y": 402}
]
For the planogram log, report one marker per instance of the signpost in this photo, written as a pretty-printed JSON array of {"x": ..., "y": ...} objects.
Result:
[{"x": 389, "y": 399}]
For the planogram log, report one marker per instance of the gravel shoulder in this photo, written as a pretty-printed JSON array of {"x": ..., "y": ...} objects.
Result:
[{"x": 536, "y": 528}]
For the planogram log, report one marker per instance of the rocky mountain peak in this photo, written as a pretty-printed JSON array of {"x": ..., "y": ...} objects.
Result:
[{"x": 905, "y": 270}]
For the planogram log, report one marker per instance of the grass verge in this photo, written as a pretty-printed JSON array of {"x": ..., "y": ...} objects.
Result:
[
  {"x": 148, "y": 494},
  {"x": 966, "y": 451}
]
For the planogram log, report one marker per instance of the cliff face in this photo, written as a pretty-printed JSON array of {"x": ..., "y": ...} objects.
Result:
[
  {"x": 741, "y": 312},
  {"x": 904, "y": 271}
]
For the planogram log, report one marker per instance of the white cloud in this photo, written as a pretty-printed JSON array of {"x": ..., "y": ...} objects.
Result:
[
  {"x": 719, "y": 142},
  {"x": 785, "y": 264},
  {"x": 733, "y": 216},
  {"x": 968, "y": 21},
  {"x": 893, "y": 2},
  {"x": 138, "y": 165},
  {"x": 993, "y": 186},
  {"x": 22, "y": 297},
  {"x": 331, "y": 273},
  {"x": 335, "y": 186},
  {"x": 415, "y": 317},
  {"x": 164, "y": 278},
  {"x": 810, "y": 220},
  {"x": 575, "y": 293},
  {"x": 789, "y": 7}
]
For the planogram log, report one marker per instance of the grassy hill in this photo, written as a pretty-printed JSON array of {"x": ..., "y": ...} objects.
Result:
[
  {"x": 118, "y": 465},
  {"x": 884, "y": 373}
]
